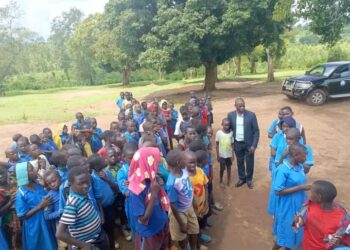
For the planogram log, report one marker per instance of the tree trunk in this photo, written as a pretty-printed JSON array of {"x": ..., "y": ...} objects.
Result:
[
  {"x": 253, "y": 67},
  {"x": 238, "y": 71},
  {"x": 66, "y": 72},
  {"x": 270, "y": 69},
  {"x": 126, "y": 75},
  {"x": 160, "y": 72},
  {"x": 211, "y": 73}
]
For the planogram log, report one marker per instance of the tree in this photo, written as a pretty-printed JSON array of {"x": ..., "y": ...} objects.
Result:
[
  {"x": 82, "y": 47},
  {"x": 203, "y": 32},
  {"x": 254, "y": 56},
  {"x": 129, "y": 21},
  {"x": 11, "y": 41},
  {"x": 327, "y": 18},
  {"x": 62, "y": 28}
]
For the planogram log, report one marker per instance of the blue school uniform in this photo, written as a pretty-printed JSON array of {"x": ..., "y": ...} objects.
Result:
[
  {"x": 119, "y": 103},
  {"x": 102, "y": 190},
  {"x": 35, "y": 233},
  {"x": 95, "y": 141},
  {"x": 122, "y": 176},
  {"x": 174, "y": 116},
  {"x": 23, "y": 157},
  {"x": 274, "y": 128},
  {"x": 157, "y": 220},
  {"x": 3, "y": 241},
  {"x": 288, "y": 205},
  {"x": 46, "y": 147},
  {"x": 52, "y": 213},
  {"x": 138, "y": 119},
  {"x": 162, "y": 170},
  {"x": 52, "y": 144},
  {"x": 134, "y": 137},
  {"x": 64, "y": 138},
  {"x": 161, "y": 145},
  {"x": 63, "y": 172}
]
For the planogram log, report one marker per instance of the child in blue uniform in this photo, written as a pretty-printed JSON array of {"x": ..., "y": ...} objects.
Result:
[
  {"x": 96, "y": 137},
  {"x": 52, "y": 213},
  {"x": 30, "y": 203},
  {"x": 104, "y": 188},
  {"x": 290, "y": 185},
  {"x": 131, "y": 135},
  {"x": 122, "y": 179}
]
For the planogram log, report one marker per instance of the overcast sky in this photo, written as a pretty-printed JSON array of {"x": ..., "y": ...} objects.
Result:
[{"x": 38, "y": 14}]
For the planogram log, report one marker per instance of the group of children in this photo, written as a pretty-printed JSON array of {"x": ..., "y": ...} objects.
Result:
[
  {"x": 316, "y": 223},
  {"x": 72, "y": 190}
]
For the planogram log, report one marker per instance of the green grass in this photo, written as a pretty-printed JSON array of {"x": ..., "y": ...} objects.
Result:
[
  {"x": 279, "y": 75},
  {"x": 60, "y": 104},
  {"x": 57, "y": 105}
]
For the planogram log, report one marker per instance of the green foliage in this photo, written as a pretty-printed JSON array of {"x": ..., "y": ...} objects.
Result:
[{"x": 327, "y": 18}]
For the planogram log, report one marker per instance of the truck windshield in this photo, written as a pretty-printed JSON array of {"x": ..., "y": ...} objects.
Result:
[{"x": 322, "y": 70}]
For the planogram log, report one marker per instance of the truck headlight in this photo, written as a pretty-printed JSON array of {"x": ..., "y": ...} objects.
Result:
[{"x": 303, "y": 85}]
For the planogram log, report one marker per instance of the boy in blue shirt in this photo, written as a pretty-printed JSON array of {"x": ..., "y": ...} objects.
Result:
[
  {"x": 129, "y": 150},
  {"x": 104, "y": 188},
  {"x": 120, "y": 101},
  {"x": 131, "y": 135},
  {"x": 23, "y": 149},
  {"x": 80, "y": 224},
  {"x": 59, "y": 160},
  {"x": 96, "y": 137}
]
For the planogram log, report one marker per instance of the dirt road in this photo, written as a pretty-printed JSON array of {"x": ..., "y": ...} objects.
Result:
[{"x": 244, "y": 223}]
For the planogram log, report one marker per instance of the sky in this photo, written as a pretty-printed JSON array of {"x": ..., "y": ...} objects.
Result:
[{"x": 38, "y": 14}]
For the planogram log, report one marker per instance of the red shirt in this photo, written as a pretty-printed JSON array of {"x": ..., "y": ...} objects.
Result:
[{"x": 321, "y": 223}]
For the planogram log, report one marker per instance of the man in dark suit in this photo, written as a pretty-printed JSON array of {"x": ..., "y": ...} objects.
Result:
[{"x": 245, "y": 130}]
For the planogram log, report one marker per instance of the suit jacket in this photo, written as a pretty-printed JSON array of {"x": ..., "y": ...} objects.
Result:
[{"x": 251, "y": 127}]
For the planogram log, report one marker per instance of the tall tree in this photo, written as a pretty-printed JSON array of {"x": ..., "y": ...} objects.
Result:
[
  {"x": 129, "y": 21},
  {"x": 62, "y": 28},
  {"x": 197, "y": 32},
  {"x": 12, "y": 38},
  {"x": 327, "y": 18}
]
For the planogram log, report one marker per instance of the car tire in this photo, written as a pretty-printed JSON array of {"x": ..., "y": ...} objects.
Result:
[{"x": 316, "y": 97}]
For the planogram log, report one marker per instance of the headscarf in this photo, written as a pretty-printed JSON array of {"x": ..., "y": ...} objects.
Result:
[
  {"x": 57, "y": 136},
  {"x": 22, "y": 173},
  {"x": 162, "y": 102},
  {"x": 144, "y": 165},
  {"x": 289, "y": 120}
]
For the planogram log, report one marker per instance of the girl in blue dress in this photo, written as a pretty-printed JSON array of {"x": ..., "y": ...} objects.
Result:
[
  {"x": 290, "y": 186},
  {"x": 31, "y": 200}
]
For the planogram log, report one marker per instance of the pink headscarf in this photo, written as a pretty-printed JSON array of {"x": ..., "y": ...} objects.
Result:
[{"x": 144, "y": 165}]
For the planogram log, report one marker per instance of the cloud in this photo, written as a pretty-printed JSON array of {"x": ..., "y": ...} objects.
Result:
[{"x": 38, "y": 14}]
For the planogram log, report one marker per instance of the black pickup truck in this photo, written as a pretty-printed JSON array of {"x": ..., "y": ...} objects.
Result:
[{"x": 329, "y": 80}]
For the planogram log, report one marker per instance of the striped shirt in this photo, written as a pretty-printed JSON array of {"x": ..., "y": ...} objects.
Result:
[{"x": 83, "y": 220}]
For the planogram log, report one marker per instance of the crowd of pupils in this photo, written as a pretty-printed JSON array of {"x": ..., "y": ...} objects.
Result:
[
  {"x": 314, "y": 223},
  {"x": 70, "y": 190}
]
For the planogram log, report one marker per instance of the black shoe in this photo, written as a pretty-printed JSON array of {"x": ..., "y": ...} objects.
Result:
[
  {"x": 250, "y": 184},
  {"x": 240, "y": 183}
]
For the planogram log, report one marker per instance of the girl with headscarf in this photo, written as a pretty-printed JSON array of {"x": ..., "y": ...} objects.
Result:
[{"x": 31, "y": 200}]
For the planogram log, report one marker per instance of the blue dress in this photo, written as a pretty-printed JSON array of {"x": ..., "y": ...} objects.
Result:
[
  {"x": 122, "y": 176},
  {"x": 35, "y": 233},
  {"x": 52, "y": 213},
  {"x": 3, "y": 242},
  {"x": 288, "y": 205}
]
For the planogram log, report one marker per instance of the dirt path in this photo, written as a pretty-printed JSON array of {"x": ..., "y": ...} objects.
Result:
[{"x": 244, "y": 224}]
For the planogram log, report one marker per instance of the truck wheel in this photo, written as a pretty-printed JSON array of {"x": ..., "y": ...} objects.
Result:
[{"x": 317, "y": 97}]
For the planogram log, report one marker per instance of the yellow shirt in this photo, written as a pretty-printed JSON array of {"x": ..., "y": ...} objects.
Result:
[{"x": 199, "y": 180}]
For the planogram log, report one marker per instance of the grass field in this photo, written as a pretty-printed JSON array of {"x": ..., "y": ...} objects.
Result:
[{"x": 57, "y": 105}]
